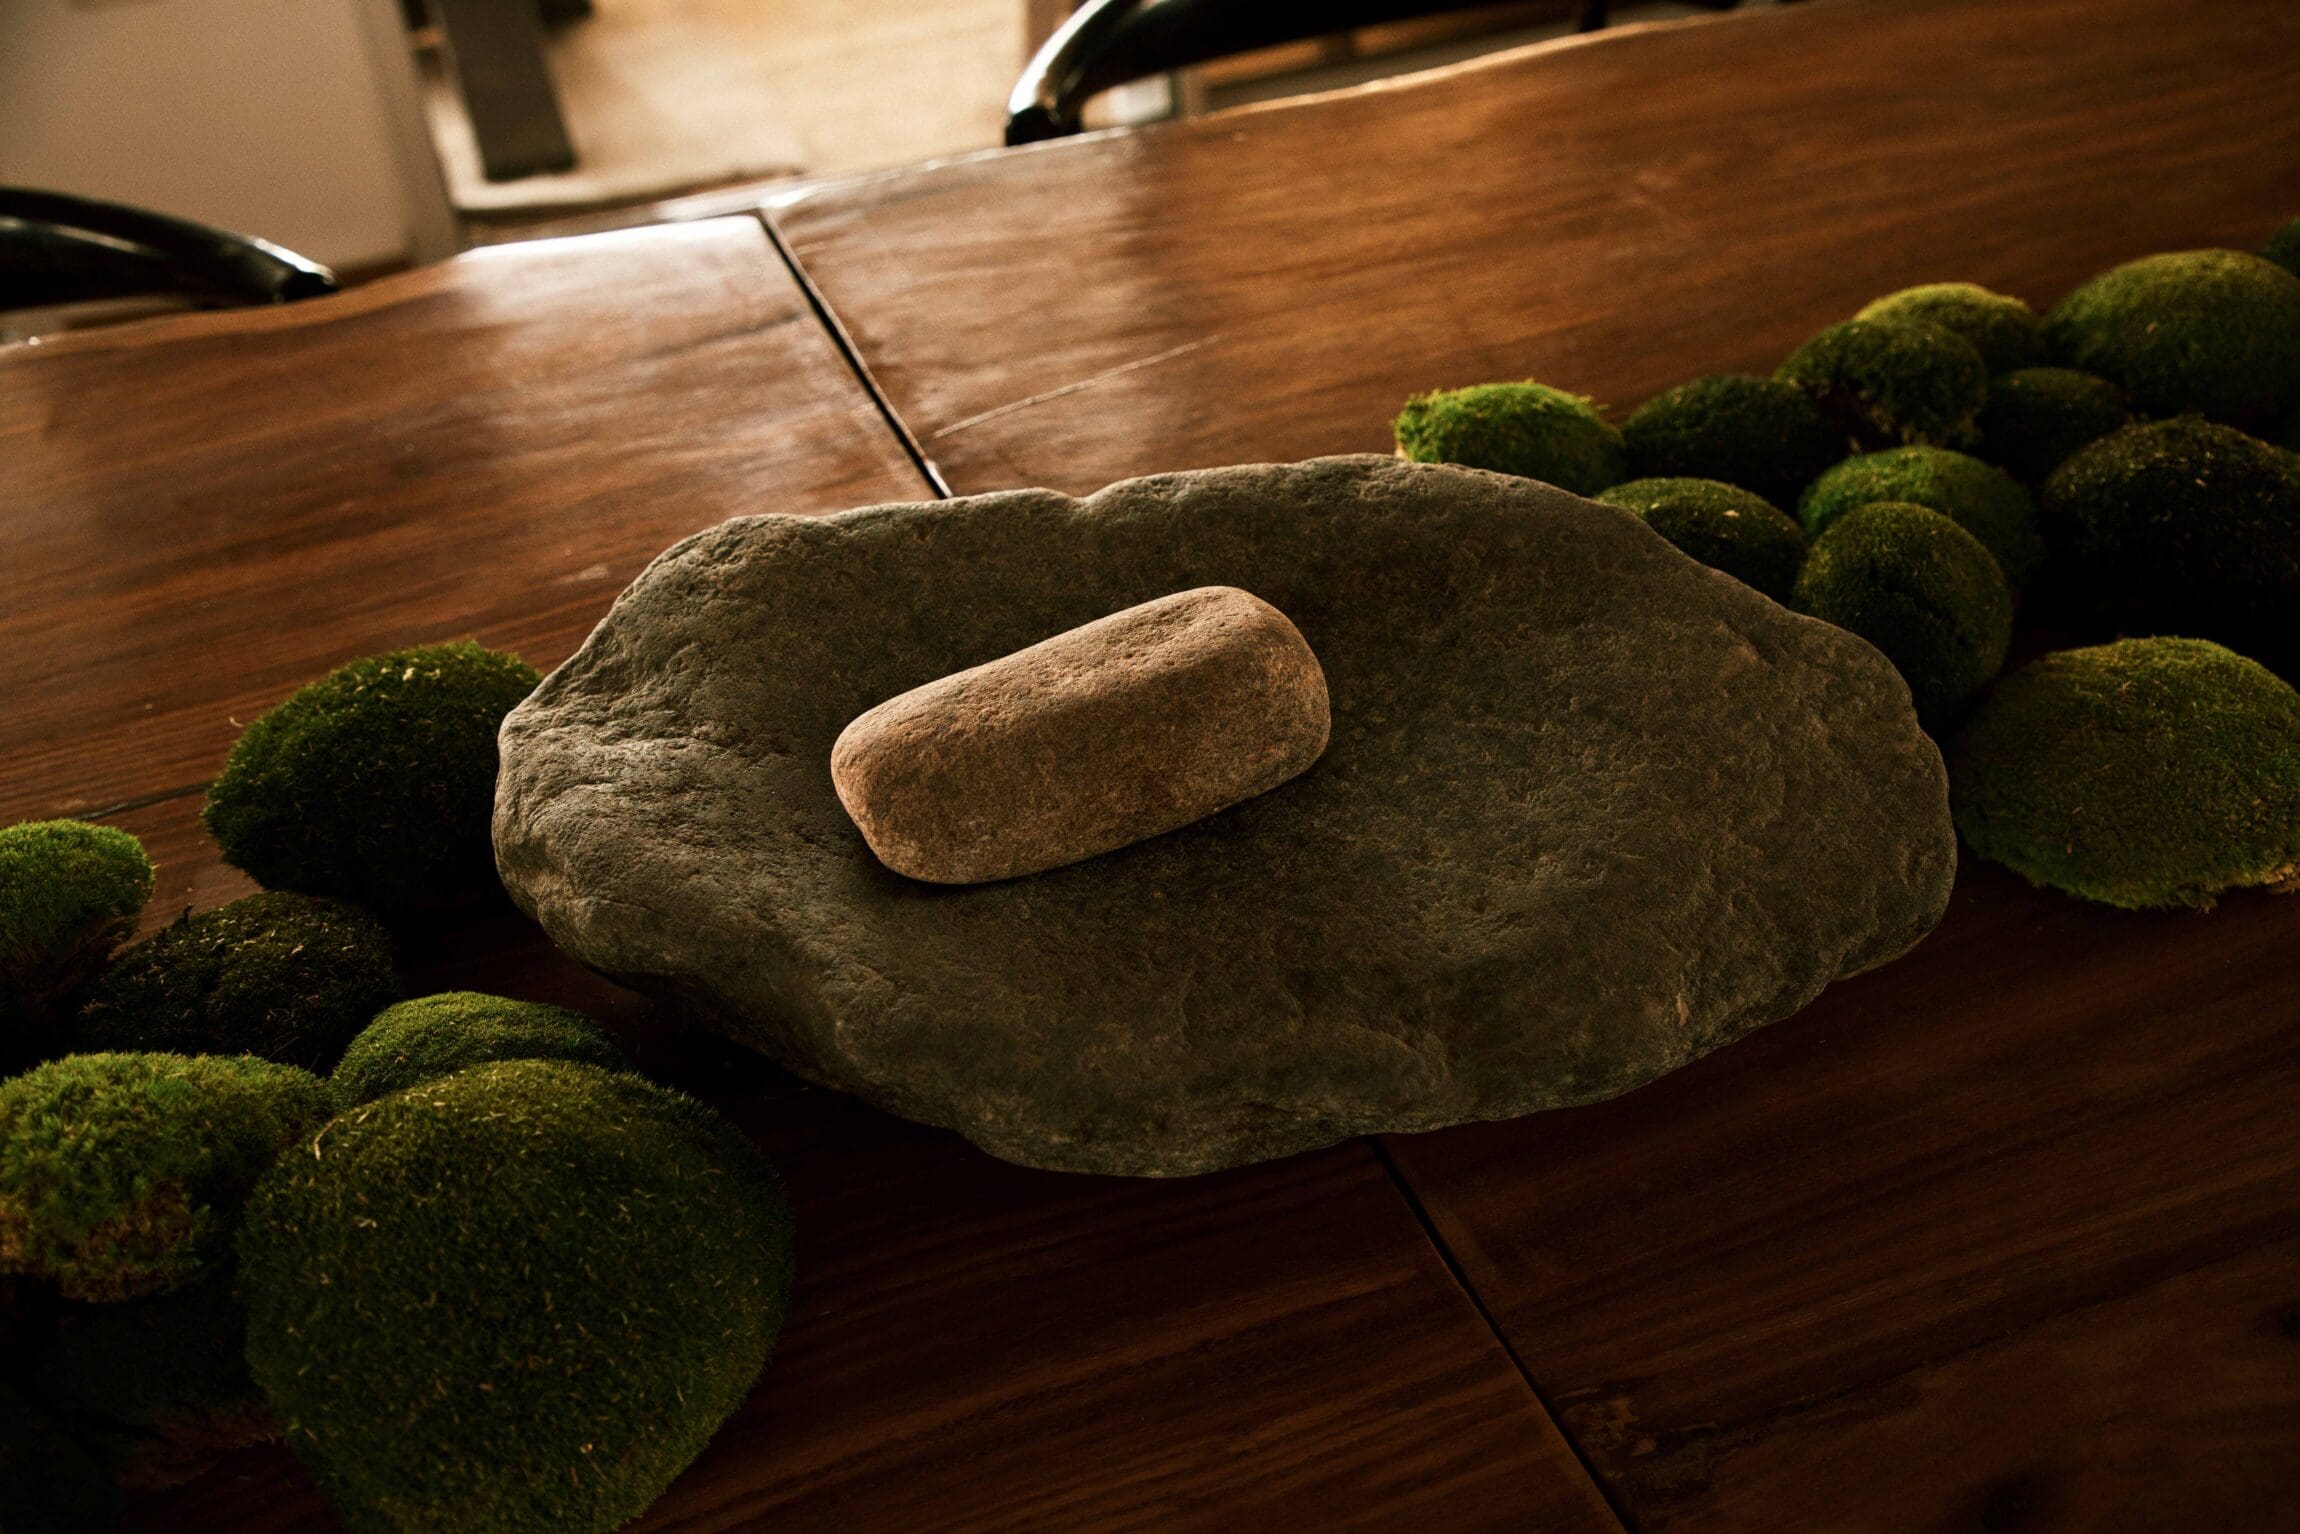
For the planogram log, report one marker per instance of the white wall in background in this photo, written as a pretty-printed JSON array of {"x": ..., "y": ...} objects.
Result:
[{"x": 295, "y": 120}]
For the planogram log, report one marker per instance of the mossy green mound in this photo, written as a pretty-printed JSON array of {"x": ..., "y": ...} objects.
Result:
[
  {"x": 1725, "y": 527},
  {"x": 2145, "y": 773},
  {"x": 2283, "y": 247},
  {"x": 286, "y": 977},
  {"x": 376, "y": 783},
  {"x": 1886, "y": 384},
  {"x": 433, "y": 1036},
  {"x": 122, "y": 1175},
  {"x": 70, "y": 893},
  {"x": 2184, "y": 526},
  {"x": 2006, "y": 332},
  {"x": 1763, "y": 434},
  {"x": 172, "y": 1364},
  {"x": 52, "y": 1479},
  {"x": 521, "y": 1297},
  {"x": 1984, "y": 501},
  {"x": 2036, "y": 417},
  {"x": 2214, "y": 332},
  {"x": 1528, "y": 429},
  {"x": 1922, "y": 590}
]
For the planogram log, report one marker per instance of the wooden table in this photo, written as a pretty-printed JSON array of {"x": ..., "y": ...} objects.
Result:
[
  {"x": 205, "y": 512},
  {"x": 2000, "y": 1237}
]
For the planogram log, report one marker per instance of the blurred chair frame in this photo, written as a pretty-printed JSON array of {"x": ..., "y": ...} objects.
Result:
[
  {"x": 56, "y": 248},
  {"x": 1085, "y": 49}
]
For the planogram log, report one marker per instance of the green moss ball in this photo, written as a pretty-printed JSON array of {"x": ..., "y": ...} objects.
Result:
[
  {"x": 435, "y": 1036},
  {"x": 521, "y": 1297},
  {"x": 2145, "y": 773},
  {"x": 1984, "y": 501},
  {"x": 2216, "y": 332},
  {"x": 376, "y": 783},
  {"x": 1515, "y": 428},
  {"x": 1922, "y": 590},
  {"x": 2006, "y": 332},
  {"x": 1885, "y": 384},
  {"x": 2183, "y": 526},
  {"x": 123, "y": 1175},
  {"x": 2283, "y": 247},
  {"x": 174, "y": 1364},
  {"x": 283, "y": 976},
  {"x": 1725, "y": 527},
  {"x": 52, "y": 1479},
  {"x": 1762, "y": 434},
  {"x": 2036, "y": 417},
  {"x": 70, "y": 893}
]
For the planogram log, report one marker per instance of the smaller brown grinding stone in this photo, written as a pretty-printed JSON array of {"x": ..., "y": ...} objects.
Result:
[{"x": 1117, "y": 730}]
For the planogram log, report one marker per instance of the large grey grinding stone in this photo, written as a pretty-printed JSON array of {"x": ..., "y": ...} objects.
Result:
[{"x": 1590, "y": 810}]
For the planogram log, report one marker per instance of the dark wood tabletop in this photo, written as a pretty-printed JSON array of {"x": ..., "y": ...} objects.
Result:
[
  {"x": 206, "y": 512},
  {"x": 1611, "y": 214},
  {"x": 2002, "y": 1236}
]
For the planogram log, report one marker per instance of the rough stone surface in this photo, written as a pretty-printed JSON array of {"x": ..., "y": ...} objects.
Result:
[
  {"x": 1091, "y": 740},
  {"x": 1590, "y": 810}
]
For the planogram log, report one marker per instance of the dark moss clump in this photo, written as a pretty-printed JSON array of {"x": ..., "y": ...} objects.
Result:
[
  {"x": 2283, "y": 247},
  {"x": 1986, "y": 502},
  {"x": 1762, "y": 434},
  {"x": 2183, "y": 526},
  {"x": 521, "y": 1297},
  {"x": 435, "y": 1036},
  {"x": 1515, "y": 428},
  {"x": 70, "y": 893},
  {"x": 1725, "y": 527},
  {"x": 52, "y": 1479},
  {"x": 283, "y": 976},
  {"x": 1922, "y": 590},
  {"x": 174, "y": 1365},
  {"x": 376, "y": 783},
  {"x": 161, "y": 1384},
  {"x": 2036, "y": 417},
  {"x": 122, "y": 1175},
  {"x": 1885, "y": 384},
  {"x": 2214, "y": 332},
  {"x": 2146, "y": 773},
  {"x": 2006, "y": 332}
]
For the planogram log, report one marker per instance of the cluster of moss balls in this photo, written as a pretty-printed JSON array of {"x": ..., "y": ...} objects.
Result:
[
  {"x": 238, "y": 1174},
  {"x": 2130, "y": 460}
]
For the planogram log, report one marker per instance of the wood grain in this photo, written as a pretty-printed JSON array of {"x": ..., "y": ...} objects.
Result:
[
  {"x": 2046, "y": 1109},
  {"x": 211, "y": 511},
  {"x": 1983, "y": 1240},
  {"x": 975, "y": 1346},
  {"x": 2200, "y": 1373},
  {"x": 204, "y": 512},
  {"x": 1611, "y": 215}
]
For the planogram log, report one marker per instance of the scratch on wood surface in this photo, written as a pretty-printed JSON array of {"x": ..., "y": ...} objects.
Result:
[{"x": 1072, "y": 388}]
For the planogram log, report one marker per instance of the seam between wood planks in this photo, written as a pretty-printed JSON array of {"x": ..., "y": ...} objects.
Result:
[
  {"x": 1469, "y": 1291},
  {"x": 852, "y": 355}
]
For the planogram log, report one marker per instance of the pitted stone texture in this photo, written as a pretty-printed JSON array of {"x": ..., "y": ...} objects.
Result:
[
  {"x": 1590, "y": 810},
  {"x": 1087, "y": 741}
]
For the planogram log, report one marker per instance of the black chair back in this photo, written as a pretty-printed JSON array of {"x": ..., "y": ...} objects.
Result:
[
  {"x": 1106, "y": 43},
  {"x": 59, "y": 249}
]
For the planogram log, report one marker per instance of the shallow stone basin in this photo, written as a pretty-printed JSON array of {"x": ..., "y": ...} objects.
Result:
[{"x": 1589, "y": 811}]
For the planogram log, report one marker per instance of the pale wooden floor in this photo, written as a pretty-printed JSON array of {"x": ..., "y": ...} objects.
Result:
[{"x": 664, "y": 97}]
